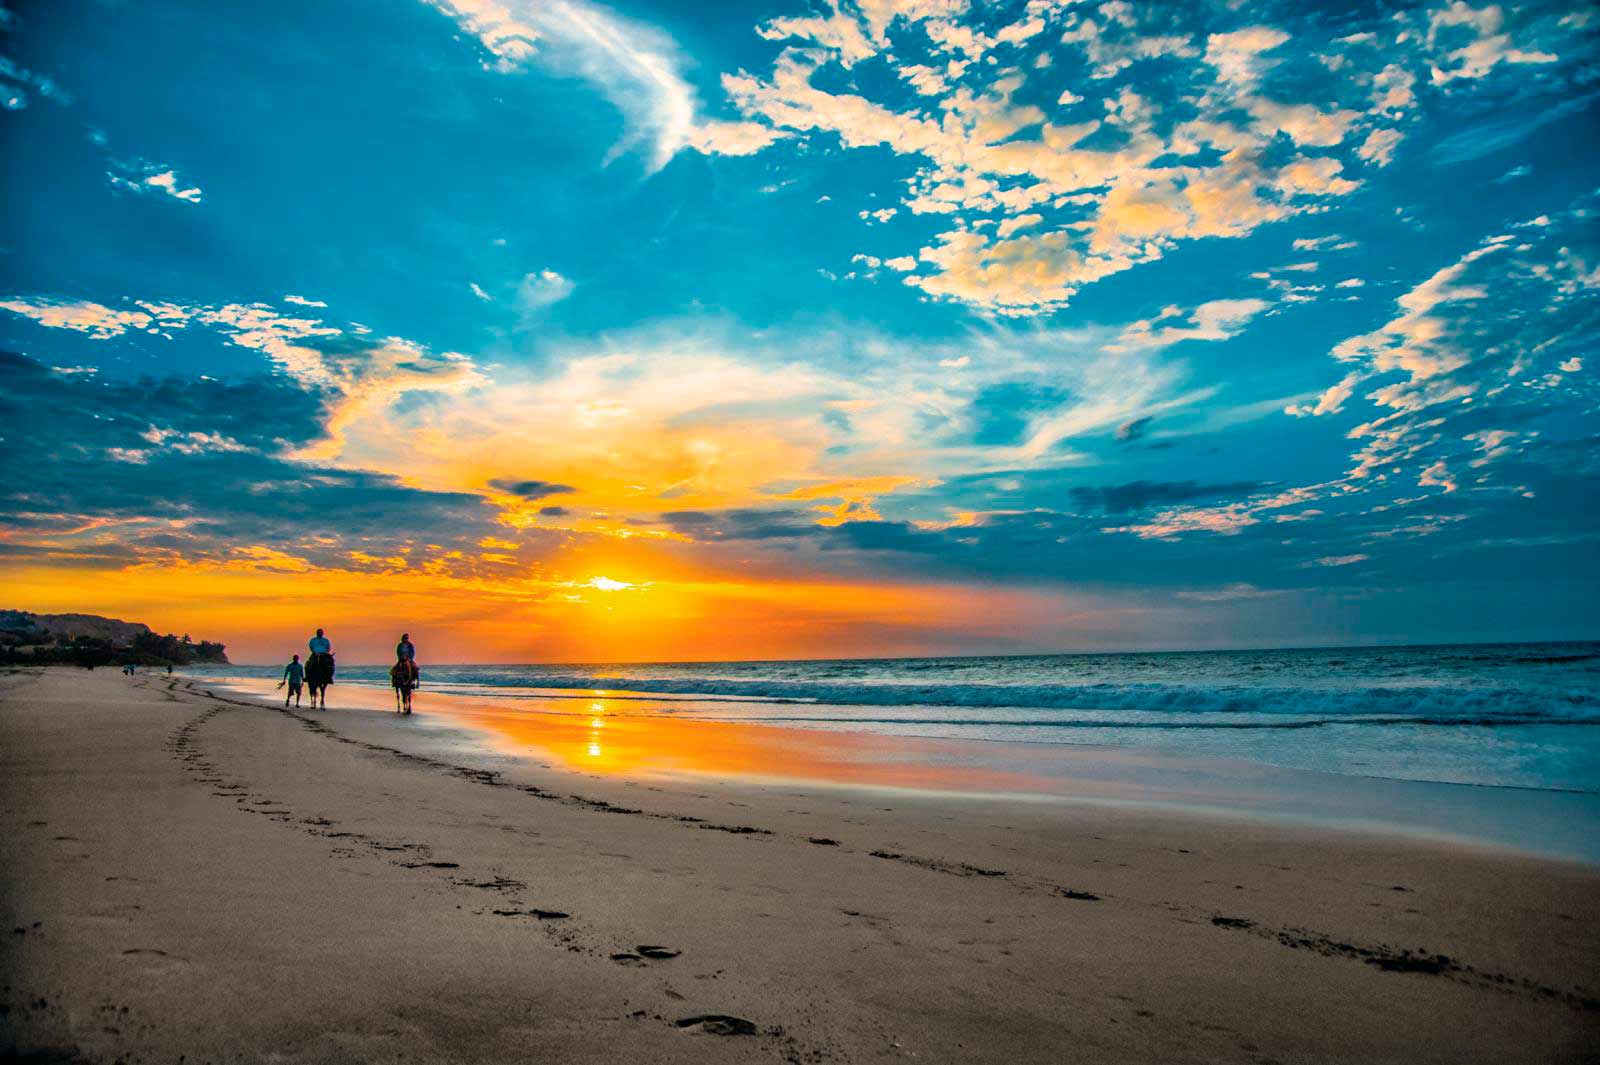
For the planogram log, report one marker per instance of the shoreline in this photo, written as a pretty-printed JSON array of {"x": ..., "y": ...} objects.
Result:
[
  {"x": 1548, "y": 823},
  {"x": 217, "y": 878}
]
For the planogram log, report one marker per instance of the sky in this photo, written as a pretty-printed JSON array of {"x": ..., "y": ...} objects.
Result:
[{"x": 546, "y": 330}]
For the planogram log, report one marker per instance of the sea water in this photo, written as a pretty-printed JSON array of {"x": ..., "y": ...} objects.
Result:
[{"x": 1514, "y": 716}]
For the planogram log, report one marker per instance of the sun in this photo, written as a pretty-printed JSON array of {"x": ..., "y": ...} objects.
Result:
[{"x": 606, "y": 584}]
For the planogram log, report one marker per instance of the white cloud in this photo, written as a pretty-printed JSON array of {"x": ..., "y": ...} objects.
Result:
[
  {"x": 141, "y": 177},
  {"x": 1480, "y": 39},
  {"x": 93, "y": 319},
  {"x": 1216, "y": 320},
  {"x": 1379, "y": 146},
  {"x": 1329, "y": 561},
  {"x": 637, "y": 67},
  {"x": 540, "y": 289},
  {"x": 1034, "y": 214},
  {"x": 477, "y": 290}
]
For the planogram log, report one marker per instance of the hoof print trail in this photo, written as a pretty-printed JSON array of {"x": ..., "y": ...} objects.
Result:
[
  {"x": 429, "y": 865},
  {"x": 823, "y": 841},
  {"x": 953, "y": 868},
  {"x": 738, "y": 830},
  {"x": 1081, "y": 896}
]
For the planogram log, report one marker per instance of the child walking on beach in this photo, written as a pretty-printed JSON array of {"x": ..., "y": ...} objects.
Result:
[{"x": 294, "y": 674}]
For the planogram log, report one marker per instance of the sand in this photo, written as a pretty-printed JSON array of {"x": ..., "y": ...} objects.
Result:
[{"x": 203, "y": 879}]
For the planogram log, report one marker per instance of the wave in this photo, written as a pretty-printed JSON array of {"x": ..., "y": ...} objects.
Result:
[
  {"x": 1123, "y": 723},
  {"x": 1422, "y": 704}
]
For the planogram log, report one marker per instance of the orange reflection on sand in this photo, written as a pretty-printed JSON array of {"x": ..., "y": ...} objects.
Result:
[
  {"x": 596, "y": 732},
  {"x": 630, "y": 738}
]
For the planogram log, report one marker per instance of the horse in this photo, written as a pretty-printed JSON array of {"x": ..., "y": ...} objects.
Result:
[
  {"x": 404, "y": 682},
  {"x": 319, "y": 674}
]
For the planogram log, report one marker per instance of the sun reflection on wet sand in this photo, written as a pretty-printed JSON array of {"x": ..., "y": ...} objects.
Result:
[{"x": 634, "y": 738}]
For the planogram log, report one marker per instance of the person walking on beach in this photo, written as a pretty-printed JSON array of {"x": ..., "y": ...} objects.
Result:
[{"x": 294, "y": 675}]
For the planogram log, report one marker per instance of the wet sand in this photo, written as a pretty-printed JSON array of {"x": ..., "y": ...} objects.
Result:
[{"x": 220, "y": 880}]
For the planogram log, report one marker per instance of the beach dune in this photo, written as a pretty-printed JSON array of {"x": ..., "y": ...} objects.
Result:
[{"x": 202, "y": 877}]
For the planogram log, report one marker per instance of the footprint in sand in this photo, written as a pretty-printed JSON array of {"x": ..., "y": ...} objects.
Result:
[
  {"x": 657, "y": 953},
  {"x": 154, "y": 960},
  {"x": 718, "y": 1024}
]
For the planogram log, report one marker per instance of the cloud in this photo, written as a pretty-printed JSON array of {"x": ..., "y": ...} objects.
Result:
[
  {"x": 358, "y": 373},
  {"x": 1331, "y": 561},
  {"x": 16, "y": 81},
  {"x": 1475, "y": 348},
  {"x": 1215, "y": 320},
  {"x": 1248, "y": 124},
  {"x": 541, "y": 289},
  {"x": 141, "y": 177},
  {"x": 1469, "y": 42},
  {"x": 1228, "y": 593},
  {"x": 1498, "y": 134},
  {"x": 97, "y": 321},
  {"x": 197, "y": 471},
  {"x": 530, "y": 489},
  {"x": 1130, "y": 431},
  {"x": 635, "y": 66},
  {"x": 1378, "y": 149},
  {"x": 1143, "y": 495}
]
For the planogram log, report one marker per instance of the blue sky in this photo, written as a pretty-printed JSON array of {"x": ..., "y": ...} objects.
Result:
[{"x": 1077, "y": 324}]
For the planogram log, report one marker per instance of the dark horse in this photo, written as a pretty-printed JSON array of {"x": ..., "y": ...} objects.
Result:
[
  {"x": 404, "y": 682},
  {"x": 319, "y": 674}
]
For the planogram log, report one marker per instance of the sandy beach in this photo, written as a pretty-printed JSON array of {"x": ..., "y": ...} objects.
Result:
[{"x": 209, "y": 878}]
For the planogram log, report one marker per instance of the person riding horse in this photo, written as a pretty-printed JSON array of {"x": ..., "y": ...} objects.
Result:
[
  {"x": 403, "y": 675},
  {"x": 319, "y": 668}
]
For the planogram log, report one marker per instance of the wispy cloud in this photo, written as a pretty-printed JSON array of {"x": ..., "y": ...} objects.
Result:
[{"x": 636, "y": 66}]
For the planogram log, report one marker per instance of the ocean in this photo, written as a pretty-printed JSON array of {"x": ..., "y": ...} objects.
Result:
[{"x": 1514, "y": 716}]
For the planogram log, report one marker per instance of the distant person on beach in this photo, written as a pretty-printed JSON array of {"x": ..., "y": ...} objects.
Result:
[
  {"x": 406, "y": 652},
  {"x": 294, "y": 675}
]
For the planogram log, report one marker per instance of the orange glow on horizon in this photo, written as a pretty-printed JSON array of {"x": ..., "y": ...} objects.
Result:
[{"x": 262, "y": 604}]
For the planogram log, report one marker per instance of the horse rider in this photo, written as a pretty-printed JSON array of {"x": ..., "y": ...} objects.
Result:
[
  {"x": 321, "y": 654},
  {"x": 405, "y": 652}
]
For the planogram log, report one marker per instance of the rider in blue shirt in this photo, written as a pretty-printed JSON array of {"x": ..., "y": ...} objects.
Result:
[
  {"x": 319, "y": 644},
  {"x": 405, "y": 652}
]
